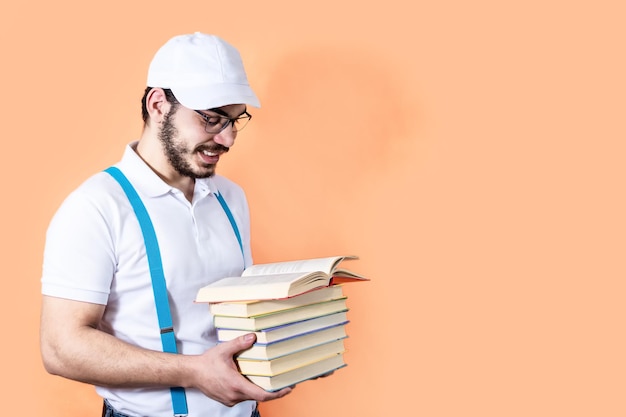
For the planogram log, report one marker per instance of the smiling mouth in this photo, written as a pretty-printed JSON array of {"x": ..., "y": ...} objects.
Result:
[
  {"x": 211, "y": 156},
  {"x": 213, "y": 150}
]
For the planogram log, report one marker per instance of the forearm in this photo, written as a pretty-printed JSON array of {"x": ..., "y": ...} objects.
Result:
[
  {"x": 74, "y": 348},
  {"x": 92, "y": 356}
]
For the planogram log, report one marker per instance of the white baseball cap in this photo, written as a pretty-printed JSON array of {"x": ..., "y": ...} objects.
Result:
[{"x": 203, "y": 71}]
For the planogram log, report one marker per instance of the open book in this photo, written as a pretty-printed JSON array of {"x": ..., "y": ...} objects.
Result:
[{"x": 278, "y": 280}]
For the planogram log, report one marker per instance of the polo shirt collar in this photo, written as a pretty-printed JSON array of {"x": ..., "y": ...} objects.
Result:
[{"x": 145, "y": 179}]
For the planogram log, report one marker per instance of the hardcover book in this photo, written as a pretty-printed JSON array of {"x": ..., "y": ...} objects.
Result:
[
  {"x": 291, "y": 361},
  {"x": 286, "y": 331},
  {"x": 281, "y": 317},
  {"x": 293, "y": 377},
  {"x": 255, "y": 308},
  {"x": 294, "y": 344}
]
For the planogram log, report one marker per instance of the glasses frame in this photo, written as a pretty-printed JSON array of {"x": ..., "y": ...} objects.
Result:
[{"x": 229, "y": 121}]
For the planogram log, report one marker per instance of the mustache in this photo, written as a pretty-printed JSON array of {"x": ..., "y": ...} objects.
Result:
[{"x": 214, "y": 148}]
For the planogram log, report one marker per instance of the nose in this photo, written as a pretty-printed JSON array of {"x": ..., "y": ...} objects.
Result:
[{"x": 226, "y": 137}]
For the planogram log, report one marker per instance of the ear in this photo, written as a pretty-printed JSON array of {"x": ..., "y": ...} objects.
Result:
[{"x": 157, "y": 104}]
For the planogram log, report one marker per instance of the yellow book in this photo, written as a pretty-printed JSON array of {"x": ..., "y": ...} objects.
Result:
[
  {"x": 294, "y": 344},
  {"x": 286, "y": 331},
  {"x": 295, "y": 376},
  {"x": 291, "y": 315},
  {"x": 290, "y": 361},
  {"x": 255, "y": 308}
]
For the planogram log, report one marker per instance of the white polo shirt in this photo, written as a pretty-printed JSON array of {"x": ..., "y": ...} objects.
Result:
[{"x": 95, "y": 253}]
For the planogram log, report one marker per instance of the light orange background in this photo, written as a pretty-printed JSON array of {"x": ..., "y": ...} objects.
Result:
[{"x": 470, "y": 152}]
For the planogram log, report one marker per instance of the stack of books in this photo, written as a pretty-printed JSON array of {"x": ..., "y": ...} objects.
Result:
[{"x": 298, "y": 312}]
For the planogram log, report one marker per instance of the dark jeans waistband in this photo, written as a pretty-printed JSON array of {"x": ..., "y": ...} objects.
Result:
[{"x": 108, "y": 411}]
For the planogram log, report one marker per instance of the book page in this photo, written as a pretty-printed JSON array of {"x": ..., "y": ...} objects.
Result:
[
  {"x": 260, "y": 287},
  {"x": 237, "y": 283},
  {"x": 326, "y": 265}
]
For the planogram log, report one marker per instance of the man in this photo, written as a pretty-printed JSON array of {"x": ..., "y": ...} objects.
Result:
[{"x": 100, "y": 323}]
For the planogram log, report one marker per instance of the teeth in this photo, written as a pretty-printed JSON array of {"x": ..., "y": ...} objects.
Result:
[{"x": 207, "y": 153}]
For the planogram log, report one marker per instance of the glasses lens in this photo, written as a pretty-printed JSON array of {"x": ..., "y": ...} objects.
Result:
[
  {"x": 241, "y": 122},
  {"x": 215, "y": 123}
]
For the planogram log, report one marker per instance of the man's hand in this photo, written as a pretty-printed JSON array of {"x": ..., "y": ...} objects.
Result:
[{"x": 217, "y": 376}]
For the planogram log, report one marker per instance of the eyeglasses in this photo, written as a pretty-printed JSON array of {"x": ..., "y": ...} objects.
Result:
[{"x": 216, "y": 123}]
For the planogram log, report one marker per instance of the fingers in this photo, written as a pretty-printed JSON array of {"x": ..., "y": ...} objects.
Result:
[
  {"x": 243, "y": 390},
  {"x": 233, "y": 387},
  {"x": 269, "y": 396},
  {"x": 235, "y": 346},
  {"x": 260, "y": 395}
]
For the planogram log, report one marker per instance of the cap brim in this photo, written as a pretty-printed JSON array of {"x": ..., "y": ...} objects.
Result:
[{"x": 216, "y": 95}]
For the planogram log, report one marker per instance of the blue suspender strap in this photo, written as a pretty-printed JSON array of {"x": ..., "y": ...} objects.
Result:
[
  {"x": 231, "y": 219},
  {"x": 168, "y": 339}
]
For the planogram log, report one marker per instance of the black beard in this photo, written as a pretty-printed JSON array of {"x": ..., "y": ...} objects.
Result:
[{"x": 175, "y": 153}]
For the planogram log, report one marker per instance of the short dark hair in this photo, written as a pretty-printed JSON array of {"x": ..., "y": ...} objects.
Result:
[{"x": 169, "y": 96}]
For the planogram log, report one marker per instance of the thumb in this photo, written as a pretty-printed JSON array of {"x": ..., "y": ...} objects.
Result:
[{"x": 235, "y": 346}]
